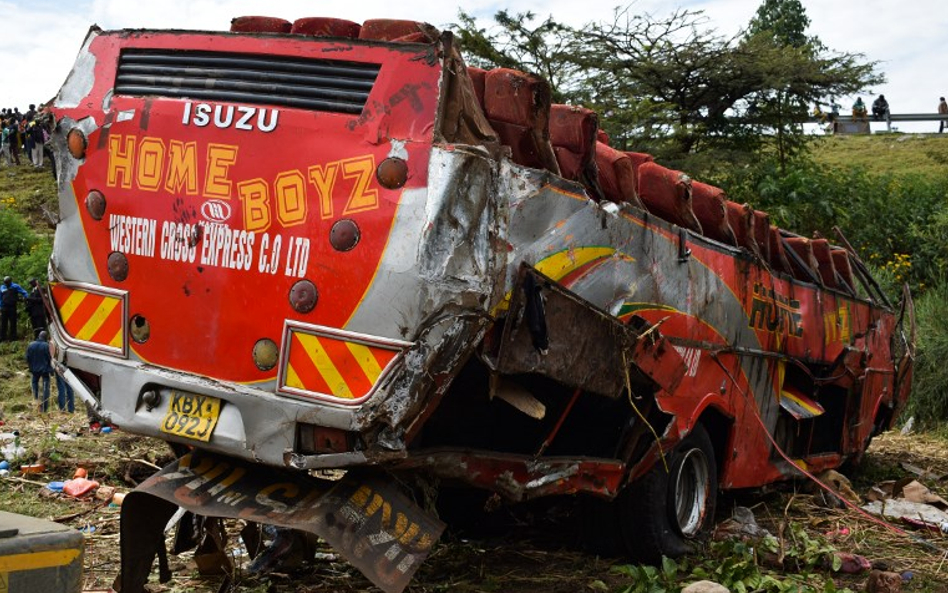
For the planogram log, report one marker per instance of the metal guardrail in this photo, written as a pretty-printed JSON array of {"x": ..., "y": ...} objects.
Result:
[{"x": 892, "y": 118}]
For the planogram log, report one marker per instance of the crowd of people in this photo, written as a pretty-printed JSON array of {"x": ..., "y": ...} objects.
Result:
[
  {"x": 40, "y": 353},
  {"x": 23, "y": 134}
]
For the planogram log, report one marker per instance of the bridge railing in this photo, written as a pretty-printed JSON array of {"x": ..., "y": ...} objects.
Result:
[{"x": 892, "y": 117}]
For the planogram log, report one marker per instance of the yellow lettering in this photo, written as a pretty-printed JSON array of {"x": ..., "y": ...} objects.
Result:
[
  {"x": 324, "y": 180},
  {"x": 401, "y": 525},
  {"x": 424, "y": 542},
  {"x": 374, "y": 506},
  {"x": 121, "y": 159},
  {"x": 182, "y": 168},
  {"x": 289, "y": 490},
  {"x": 362, "y": 197},
  {"x": 220, "y": 157},
  {"x": 290, "y": 198},
  {"x": 361, "y": 496},
  {"x": 255, "y": 196},
  {"x": 151, "y": 161},
  {"x": 410, "y": 534}
]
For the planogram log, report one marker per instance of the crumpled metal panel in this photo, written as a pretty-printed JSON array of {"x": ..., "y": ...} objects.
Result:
[
  {"x": 582, "y": 347},
  {"x": 366, "y": 519}
]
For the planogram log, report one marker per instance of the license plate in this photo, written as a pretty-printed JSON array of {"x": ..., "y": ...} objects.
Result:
[{"x": 191, "y": 416}]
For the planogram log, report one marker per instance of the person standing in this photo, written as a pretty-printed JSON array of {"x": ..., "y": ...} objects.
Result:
[
  {"x": 5, "y": 143},
  {"x": 64, "y": 393},
  {"x": 40, "y": 363},
  {"x": 38, "y": 139},
  {"x": 22, "y": 136},
  {"x": 13, "y": 136},
  {"x": 10, "y": 293},
  {"x": 35, "y": 308},
  {"x": 942, "y": 110}
]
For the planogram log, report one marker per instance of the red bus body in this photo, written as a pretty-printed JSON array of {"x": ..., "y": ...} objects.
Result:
[{"x": 372, "y": 271}]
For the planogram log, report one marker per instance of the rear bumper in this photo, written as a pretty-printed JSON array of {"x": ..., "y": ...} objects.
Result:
[{"x": 254, "y": 423}]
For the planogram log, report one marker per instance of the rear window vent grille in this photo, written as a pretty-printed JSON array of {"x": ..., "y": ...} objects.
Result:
[{"x": 320, "y": 85}]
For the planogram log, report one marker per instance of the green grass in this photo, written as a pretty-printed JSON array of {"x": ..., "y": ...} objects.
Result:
[{"x": 925, "y": 154}]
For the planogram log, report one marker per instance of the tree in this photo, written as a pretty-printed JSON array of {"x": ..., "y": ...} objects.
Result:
[
  {"x": 811, "y": 73},
  {"x": 513, "y": 42},
  {"x": 784, "y": 20},
  {"x": 689, "y": 90},
  {"x": 675, "y": 87}
]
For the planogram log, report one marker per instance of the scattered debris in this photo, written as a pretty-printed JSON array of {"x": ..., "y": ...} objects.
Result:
[
  {"x": 11, "y": 449},
  {"x": 884, "y": 582},
  {"x": 849, "y": 563},
  {"x": 923, "y": 474},
  {"x": 79, "y": 487},
  {"x": 908, "y": 426},
  {"x": 705, "y": 587},
  {"x": 840, "y": 485},
  {"x": 32, "y": 468},
  {"x": 742, "y": 525},
  {"x": 908, "y": 501}
]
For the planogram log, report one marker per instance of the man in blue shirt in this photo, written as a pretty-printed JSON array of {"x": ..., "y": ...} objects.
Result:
[
  {"x": 10, "y": 293},
  {"x": 41, "y": 365}
]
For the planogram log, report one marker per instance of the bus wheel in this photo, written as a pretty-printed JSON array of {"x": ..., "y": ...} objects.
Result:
[{"x": 665, "y": 512}]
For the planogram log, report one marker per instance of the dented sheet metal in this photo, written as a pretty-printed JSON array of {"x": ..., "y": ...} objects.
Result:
[
  {"x": 556, "y": 333},
  {"x": 362, "y": 516}
]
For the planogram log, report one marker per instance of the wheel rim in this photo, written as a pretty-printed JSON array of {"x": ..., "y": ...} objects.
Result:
[{"x": 691, "y": 492}]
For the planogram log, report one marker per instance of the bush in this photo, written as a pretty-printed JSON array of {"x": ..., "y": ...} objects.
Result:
[
  {"x": 16, "y": 237},
  {"x": 929, "y": 400},
  {"x": 32, "y": 264},
  {"x": 897, "y": 223}
]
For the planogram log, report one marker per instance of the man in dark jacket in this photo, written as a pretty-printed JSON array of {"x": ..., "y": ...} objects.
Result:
[
  {"x": 35, "y": 308},
  {"x": 10, "y": 293},
  {"x": 41, "y": 365}
]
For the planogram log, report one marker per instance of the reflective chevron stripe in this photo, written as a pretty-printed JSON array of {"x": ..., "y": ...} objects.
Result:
[
  {"x": 336, "y": 366},
  {"x": 90, "y": 316}
]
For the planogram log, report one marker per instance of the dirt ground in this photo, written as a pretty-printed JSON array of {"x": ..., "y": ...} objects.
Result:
[{"x": 518, "y": 550}]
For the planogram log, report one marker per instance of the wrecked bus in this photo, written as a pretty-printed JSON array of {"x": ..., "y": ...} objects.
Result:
[{"x": 318, "y": 245}]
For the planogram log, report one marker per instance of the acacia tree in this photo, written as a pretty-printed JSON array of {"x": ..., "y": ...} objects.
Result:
[
  {"x": 781, "y": 107},
  {"x": 672, "y": 85},
  {"x": 544, "y": 49}
]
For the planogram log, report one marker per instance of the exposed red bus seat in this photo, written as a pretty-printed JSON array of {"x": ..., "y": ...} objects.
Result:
[
  {"x": 741, "y": 219},
  {"x": 260, "y": 24},
  {"x": 667, "y": 194},
  {"x": 478, "y": 77},
  {"x": 843, "y": 267},
  {"x": 638, "y": 158},
  {"x": 573, "y": 136},
  {"x": 517, "y": 105},
  {"x": 617, "y": 175},
  {"x": 824, "y": 262},
  {"x": 318, "y": 26},
  {"x": 804, "y": 250},
  {"x": 398, "y": 30},
  {"x": 778, "y": 256},
  {"x": 708, "y": 202},
  {"x": 574, "y": 128},
  {"x": 762, "y": 234}
]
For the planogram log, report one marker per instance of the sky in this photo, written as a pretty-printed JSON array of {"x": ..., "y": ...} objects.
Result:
[{"x": 905, "y": 37}]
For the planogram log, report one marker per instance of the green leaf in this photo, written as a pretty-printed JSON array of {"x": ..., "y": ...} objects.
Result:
[
  {"x": 669, "y": 567},
  {"x": 837, "y": 563}
]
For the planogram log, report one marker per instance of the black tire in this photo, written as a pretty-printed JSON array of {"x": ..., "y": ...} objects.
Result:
[{"x": 664, "y": 513}]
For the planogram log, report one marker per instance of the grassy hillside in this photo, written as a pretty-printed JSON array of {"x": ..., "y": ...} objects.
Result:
[{"x": 925, "y": 154}]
